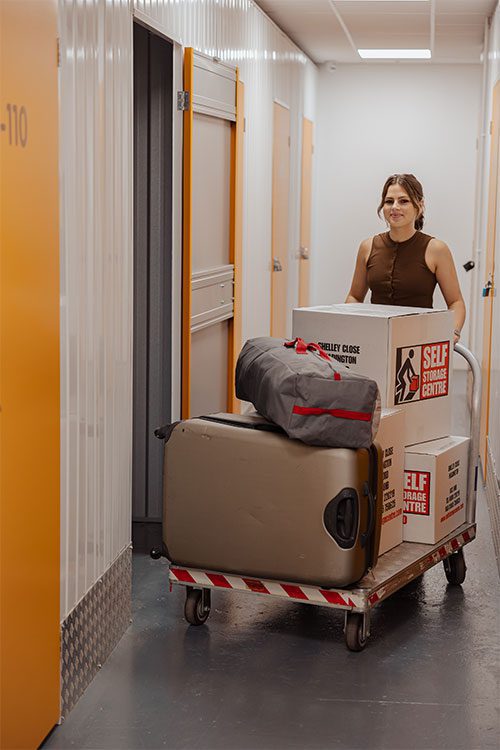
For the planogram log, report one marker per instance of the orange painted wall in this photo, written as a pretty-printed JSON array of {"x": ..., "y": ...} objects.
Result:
[{"x": 29, "y": 372}]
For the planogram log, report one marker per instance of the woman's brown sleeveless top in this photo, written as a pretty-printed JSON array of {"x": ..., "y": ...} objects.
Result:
[{"x": 397, "y": 271}]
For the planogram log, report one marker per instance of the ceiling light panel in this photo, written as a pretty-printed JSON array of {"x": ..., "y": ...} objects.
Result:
[
  {"x": 342, "y": 3},
  {"x": 380, "y": 2},
  {"x": 382, "y": 7},
  {"x": 395, "y": 54}
]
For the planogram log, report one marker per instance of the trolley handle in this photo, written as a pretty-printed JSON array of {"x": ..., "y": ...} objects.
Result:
[{"x": 475, "y": 418}]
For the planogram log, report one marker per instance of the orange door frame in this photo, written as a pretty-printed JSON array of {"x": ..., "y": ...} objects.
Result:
[{"x": 236, "y": 237}]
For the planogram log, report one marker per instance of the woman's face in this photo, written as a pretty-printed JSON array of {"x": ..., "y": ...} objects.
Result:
[{"x": 399, "y": 212}]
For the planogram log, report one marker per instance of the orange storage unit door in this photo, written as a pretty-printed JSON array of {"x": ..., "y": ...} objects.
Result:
[{"x": 30, "y": 412}]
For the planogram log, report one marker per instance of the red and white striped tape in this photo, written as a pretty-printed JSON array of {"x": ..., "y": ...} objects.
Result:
[
  {"x": 338, "y": 598},
  {"x": 453, "y": 545},
  {"x": 298, "y": 592},
  {"x": 445, "y": 550}
]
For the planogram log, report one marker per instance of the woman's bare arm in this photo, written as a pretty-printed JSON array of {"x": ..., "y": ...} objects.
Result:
[
  {"x": 441, "y": 261},
  {"x": 359, "y": 284}
]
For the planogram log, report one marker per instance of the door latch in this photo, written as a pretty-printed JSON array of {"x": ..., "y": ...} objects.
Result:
[{"x": 304, "y": 253}]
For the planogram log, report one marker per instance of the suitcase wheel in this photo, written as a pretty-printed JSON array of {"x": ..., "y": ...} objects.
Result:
[
  {"x": 355, "y": 631},
  {"x": 197, "y": 606}
]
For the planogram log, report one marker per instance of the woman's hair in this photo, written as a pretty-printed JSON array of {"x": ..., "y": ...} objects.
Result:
[{"x": 415, "y": 192}]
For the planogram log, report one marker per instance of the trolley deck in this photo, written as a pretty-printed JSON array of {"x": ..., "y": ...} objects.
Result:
[{"x": 395, "y": 569}]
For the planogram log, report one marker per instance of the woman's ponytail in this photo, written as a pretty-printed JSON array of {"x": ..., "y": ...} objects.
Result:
[{"x": 419, "y": 222}]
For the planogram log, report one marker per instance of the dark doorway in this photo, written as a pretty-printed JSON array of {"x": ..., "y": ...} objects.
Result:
[{"x": 153, "y": 95}]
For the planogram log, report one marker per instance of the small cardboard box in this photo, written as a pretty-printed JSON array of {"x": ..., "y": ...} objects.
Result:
[
  {"x": 407, "y": 350},
  {"x": 390, "y": 437},
  {"x": 435, "y": 489}
]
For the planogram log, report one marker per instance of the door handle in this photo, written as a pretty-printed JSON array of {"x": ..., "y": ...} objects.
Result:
[
  {"x": 304, "y": 253},
  {"x": 277, "y": 265}
]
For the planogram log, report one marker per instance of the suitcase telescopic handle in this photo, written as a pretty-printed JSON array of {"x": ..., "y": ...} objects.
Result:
[
  {"x": 366, "y": 535},
  {"x": 368, "y": 492}
]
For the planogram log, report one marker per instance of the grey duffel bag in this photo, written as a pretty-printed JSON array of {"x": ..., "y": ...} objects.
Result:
[{"x": 296, "y": 386}]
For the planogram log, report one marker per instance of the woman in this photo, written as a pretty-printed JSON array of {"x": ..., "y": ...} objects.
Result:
[{"x": 403, "y": 265}]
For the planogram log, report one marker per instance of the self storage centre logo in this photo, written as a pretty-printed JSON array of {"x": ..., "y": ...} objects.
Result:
[
  {"x": 422, "y": 372},
  {"x": 416, "y": 493}
]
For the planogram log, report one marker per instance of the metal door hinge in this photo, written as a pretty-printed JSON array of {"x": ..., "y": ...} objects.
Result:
[
  {"x": 183, "y": 101},
  {"x": 58, "y": 52},
  {"x": 277, "y": 265}
]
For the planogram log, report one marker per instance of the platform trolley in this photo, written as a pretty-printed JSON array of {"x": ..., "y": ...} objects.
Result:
[{"x": 395, "y": 569}]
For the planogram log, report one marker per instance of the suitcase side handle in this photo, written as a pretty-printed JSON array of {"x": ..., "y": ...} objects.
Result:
[
  {"x": 341, "y": 517},
  {"x": 163, "y": 433}
]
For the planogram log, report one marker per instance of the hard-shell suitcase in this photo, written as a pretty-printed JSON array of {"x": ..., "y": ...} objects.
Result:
[{"x": 241, "y": 497}]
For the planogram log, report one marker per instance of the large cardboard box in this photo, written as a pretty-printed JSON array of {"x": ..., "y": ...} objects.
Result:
[
  {"x": 407, "y": 350},
  {"x": 390, "y": 438},
  {"x": 435, "y": 489}
]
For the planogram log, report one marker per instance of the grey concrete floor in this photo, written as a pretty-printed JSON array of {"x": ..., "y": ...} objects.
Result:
[{"x": 277, "y": 676}]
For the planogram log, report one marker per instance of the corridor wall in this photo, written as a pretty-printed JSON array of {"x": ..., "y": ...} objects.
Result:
[
  {"x": 491, "y": 78},
  {"x": 96, "y": 271}
]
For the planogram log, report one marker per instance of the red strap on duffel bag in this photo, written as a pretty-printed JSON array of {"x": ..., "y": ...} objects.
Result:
[
  {"x": 312, "y": 347},
  {"x": 301, "y": 347},
  {"x": 298, "y": 344}
]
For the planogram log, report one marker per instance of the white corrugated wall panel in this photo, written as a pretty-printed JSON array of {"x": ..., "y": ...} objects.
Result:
[
  {"x": 494, "y": 419},
  {"x": 97, "y": 251},
  {"x": 492, "y": 76},
  {"x": 96, "y": 289}
]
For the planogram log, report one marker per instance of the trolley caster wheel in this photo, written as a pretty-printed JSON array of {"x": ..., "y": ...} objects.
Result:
[
  {"x": 155, "y": 553},
  {"x": 355, "y": 631},
  {"x": 197, "y": 606},
  {"x": 455, "y": 568}
]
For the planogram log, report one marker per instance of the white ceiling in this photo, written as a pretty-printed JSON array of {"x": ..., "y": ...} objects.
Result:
[{"x": 332, "y": 30}]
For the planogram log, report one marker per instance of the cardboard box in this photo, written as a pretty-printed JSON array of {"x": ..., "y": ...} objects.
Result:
[
  {"x": 407, "y": 350},
  {"x": 390, "y": 437},
  {"x": 435, "y": 489}
]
